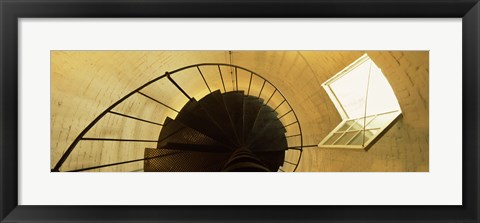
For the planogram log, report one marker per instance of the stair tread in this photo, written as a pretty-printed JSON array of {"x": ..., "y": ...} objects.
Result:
[
  {"x": 196, "y": 118},
  {"x": 272, "y": 159},
  {"x": 168, "y": 129},
  {"x": 188, "y": 106},
  {"x": 268, "y": 133},
  {"x": 234, "y": 104},
  {"x": 251, "y": 108},
  {"x": 272, "y": 143},
  {"x": 216, "y": 110},
  {"x": 171, "y": 160},
  {"x": 265, "y": 117},
  {"x": 177, "y": 132},
  {"x": 272, "y": 130},
  {"x": 208, "y": 148}
]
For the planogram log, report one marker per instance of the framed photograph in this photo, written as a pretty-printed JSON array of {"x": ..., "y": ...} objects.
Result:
[{"x": 227, "y": 111}]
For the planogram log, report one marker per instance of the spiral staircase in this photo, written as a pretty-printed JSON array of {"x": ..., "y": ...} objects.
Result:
[{"x": 245, "y": 127}]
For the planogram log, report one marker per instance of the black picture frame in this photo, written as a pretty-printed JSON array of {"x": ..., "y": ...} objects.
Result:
[{"x": 11, "y": 11}]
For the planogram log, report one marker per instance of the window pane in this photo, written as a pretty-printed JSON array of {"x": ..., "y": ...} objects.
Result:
[
  {"x": 360, "y": 122},
  {"x": 358, "y": 139},
  {"x": 371, "y": 133},
  {"x": 345, "y": 126},
  {"x": 381, "y": 97},
  {"x": 381, "y": 121},
  {"x": 351, "y": 89},
  {"x": 357, "y": 126},
  {"x": 332, "y": 138},
  {"x": 365, "y": 100},
  {"x": 345, "y": 138}
]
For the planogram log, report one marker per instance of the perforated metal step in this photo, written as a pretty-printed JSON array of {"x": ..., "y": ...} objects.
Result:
[
  {"x": 230, "y": 128},
  {"x": 181, "y": 161}
]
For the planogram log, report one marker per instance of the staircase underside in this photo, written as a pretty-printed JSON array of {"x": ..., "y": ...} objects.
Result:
[{"x": 220, "y": 132}]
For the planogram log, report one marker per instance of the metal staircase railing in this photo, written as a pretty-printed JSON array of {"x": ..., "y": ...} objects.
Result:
[{"x": 281, "y": 104}]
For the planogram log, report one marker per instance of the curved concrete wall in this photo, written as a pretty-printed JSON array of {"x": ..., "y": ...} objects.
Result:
[{"x": 84, "y": 83}]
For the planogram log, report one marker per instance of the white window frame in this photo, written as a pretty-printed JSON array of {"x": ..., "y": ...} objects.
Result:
[{"x": 345, "y": 118}]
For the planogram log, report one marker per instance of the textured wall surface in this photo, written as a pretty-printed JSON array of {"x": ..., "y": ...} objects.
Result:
[{"x": 85, "y": 83}]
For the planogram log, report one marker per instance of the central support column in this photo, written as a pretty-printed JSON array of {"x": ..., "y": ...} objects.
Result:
[{"x": 243, "y": 160}]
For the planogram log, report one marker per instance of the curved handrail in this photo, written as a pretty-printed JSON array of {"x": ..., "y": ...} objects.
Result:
[{"x": 168, "y": 75}]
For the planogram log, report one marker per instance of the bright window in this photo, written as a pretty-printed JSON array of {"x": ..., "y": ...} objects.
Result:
[{"x": 366, "y": 102}]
